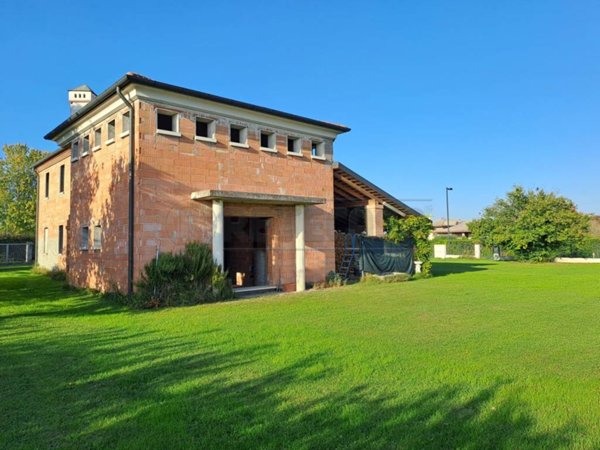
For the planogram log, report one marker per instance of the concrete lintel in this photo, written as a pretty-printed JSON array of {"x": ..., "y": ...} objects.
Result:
[{"x": 253, "y": 197}]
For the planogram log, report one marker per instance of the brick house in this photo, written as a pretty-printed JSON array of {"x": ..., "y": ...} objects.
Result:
[{"x": 145, "y": 167}]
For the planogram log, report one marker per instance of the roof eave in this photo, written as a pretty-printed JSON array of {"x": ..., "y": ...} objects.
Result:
[
  {"x": 141, "y": 80},
  {"x": 376, "y": 188}
]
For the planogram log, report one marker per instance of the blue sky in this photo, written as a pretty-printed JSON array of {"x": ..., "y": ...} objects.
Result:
[{"x": 475, "y": 95}]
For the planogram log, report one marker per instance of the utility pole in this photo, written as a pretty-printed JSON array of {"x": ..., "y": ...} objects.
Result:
[{"x": 447, "y": 218}]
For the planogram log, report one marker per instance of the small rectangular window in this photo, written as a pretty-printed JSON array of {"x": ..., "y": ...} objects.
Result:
[
  {"x": 318, "y": 149},
  {"x": 46, "y": 240},
  {"x": 60, "y": 239},
  {"x": 238, "y": 134},
  {"x": 294, "y": 145},
  {"x": 47, "y": 189},
  {"x": 86, "y": 145},
  {"x": 267, "y": 140},
  {"x": 97, "y": 138},
  {"x": 75, "y": 150},
  {"x": 97, "y": 237},
  {"x": 205, "y": 128},
  {"x": 110, "y": 135},
  {"x": 85, "y": 238},
  {"x": 125, "y": 124},
  {"x": 167, "y": 121},
  {"x": 61, "y": 183}
]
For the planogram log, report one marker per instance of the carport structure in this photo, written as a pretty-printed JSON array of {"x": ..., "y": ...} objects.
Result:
[{"x": 361, "y": 206}]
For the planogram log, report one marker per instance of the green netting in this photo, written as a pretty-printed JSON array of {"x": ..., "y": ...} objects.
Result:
[{"x": 380, "y": 256}]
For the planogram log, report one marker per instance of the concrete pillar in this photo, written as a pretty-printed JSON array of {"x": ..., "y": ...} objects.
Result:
[
  {"x": 374, "y": 218},
  {"x": 439, "y": 251},
  {"x": 300, "y": 270},
  {"x": 477, "y": 251},
  {"x": 27, "y": 252},
  {"x": 218, "y": 231}
]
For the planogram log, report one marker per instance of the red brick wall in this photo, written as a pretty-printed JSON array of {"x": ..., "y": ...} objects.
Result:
[
  {"x": 171, "y": 168},
  {"x": 53, "y": 212},
  {"x": 168, "y": 170},
  {"x": 99, "y": 195}
]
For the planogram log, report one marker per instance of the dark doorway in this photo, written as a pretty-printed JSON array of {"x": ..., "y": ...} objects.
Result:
[{"x": 246, "y": 250}]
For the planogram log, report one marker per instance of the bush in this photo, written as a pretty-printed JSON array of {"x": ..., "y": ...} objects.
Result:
[
  {"x": 332, "y": 279},
  {"x": 589, "y": 248},
  {"x": 187, "y": 278},
  {"x": 461, "y": 246},
  {"x": 533, "y": 225},
  {"x": 416, "y": 228}
]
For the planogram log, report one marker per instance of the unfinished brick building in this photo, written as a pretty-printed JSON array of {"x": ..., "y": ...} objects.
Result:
[{"x": 146, "y": 167}]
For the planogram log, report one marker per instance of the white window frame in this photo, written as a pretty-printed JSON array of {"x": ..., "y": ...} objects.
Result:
[
  {"x": 272, "y": 141},
  {"x": 297, "y": 146},
  {"x": 97, "y": 237},
  {"x": 111, "y": 140},
  {"x": 75, "y": 150},
  {"x": 125, "y": 118},
  {"x": 97, "y": 142},
  {"x": 320, "y": 150},
  {"x": 85, "y": 151},
  {"x": 47, "y": 185},
  {"x": 243, "y": 136},
  {"x": 62, "y": 178},
  {"x": 212, "y": 130},
  {"x": 60, "y": 240},
  {"x": 174, "y": 123}
]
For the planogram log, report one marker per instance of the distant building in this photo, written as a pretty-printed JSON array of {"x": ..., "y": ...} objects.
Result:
[{"x": 458, "y": 228}]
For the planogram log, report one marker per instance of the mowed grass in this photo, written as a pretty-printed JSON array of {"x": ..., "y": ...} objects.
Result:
[{"x": 484, "y": 355}]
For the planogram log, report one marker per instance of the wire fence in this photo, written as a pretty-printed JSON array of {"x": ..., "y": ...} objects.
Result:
[{"x": 16, "y": 253}]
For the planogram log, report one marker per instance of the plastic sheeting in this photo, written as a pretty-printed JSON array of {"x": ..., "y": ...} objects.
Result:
[{"x": 380, "y": 256}]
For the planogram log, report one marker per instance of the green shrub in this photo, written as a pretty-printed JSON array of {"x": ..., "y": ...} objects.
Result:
[
  {"x": 187, "y": 278},
  {"x": 461, "y": 246},
  {"x": 332, "y": 279},
  {"x": 589, "y": 248},
  {"x": 416, "y": 228}
]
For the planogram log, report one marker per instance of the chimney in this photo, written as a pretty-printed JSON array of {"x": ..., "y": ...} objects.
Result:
[{"x": 79, "y": 97}]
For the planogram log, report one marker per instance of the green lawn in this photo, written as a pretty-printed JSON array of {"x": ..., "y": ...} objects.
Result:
[{"x": 484, "y": 355}]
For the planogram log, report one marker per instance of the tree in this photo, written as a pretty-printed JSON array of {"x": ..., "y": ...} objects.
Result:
[
  {"x": 416, "y": 228},
  {"x": 18, "y": 190},
  {"x": 534, "y": 225}
]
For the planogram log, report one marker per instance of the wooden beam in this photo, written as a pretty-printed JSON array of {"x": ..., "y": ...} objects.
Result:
[
  {"x": 338, "y": 193},
  {"x": 351, "y": 204},
  {"x": 349, "y": 191}
]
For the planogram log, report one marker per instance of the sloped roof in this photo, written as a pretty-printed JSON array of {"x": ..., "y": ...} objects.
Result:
[
  {"x": 134, "y": 78},
  {"x": 461, "y": 227},
  {"x": 364, "y": 188},
  {"x": 83, "y": 88}
]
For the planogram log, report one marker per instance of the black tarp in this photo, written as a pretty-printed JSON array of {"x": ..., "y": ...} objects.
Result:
[{"x": 380, "y": 256}]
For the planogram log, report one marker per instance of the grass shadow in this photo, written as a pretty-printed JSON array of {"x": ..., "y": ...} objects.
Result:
[
  {"x": 450, "y": 267},
  {"x": 112, "y": 389}
]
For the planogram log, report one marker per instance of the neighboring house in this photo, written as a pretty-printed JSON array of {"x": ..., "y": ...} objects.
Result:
[
  {"x": 458, "y": 228},
  {"x": 145, "y": 167}
]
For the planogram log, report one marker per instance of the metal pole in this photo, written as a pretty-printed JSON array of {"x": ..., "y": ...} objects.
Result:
[{"x": 447, "y": 219}]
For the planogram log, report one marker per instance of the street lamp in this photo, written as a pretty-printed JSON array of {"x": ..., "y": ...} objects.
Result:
[{"x": 447, "y": 217}]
